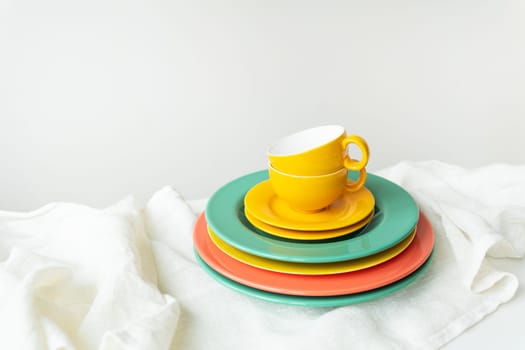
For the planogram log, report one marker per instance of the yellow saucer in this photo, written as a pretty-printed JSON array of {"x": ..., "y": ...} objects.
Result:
[
  {"x": 309, "y": 268},
  {"x": 352, "y": 207},
  {"x": 307, "y": 235}
]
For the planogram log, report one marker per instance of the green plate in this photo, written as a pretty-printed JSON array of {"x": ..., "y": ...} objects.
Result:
[
  {"x": 396, "y": 215},
  {"x": 317, "y": 301}
]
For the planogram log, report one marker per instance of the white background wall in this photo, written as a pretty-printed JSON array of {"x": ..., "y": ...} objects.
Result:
[{"x": 99, "y": 99}]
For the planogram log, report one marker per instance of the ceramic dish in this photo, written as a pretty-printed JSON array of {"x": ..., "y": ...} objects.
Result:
[
  {"x": 396, "y": 215},
  {"x": 305, "y": 268},
  {"x": 306, "y": 235},
  {"x": 318, "y": 285},
  {"x": 352, "y": 207},
  {"x": 331, "y": 301}
]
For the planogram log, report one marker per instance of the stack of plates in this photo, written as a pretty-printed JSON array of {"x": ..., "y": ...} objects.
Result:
[{"x": 366, "y": 245}]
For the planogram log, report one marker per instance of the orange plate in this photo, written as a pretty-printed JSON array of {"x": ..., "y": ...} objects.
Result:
[{"x": 317, "y": 285}]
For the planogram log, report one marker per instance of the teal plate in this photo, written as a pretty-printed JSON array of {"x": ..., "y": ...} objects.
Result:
[
  {"x": 332, "y": 301},
  {"x": 396, "y": 215}
]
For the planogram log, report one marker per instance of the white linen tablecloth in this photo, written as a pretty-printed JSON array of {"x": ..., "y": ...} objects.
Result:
[{"x": 74, "y": 277}]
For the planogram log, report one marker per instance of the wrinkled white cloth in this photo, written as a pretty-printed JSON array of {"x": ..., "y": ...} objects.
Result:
[
  {"x": 73, "y": 277},
  {"x": 475, "y": 214}
]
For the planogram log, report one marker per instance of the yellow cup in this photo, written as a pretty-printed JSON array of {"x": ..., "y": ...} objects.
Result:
[
  {"x": 317, "y": 151},
  {"x": 313, "y": 193}
]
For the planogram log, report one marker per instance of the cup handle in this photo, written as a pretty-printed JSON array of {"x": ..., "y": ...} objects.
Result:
[
  {"x": 353, "y": 186},
  {"x": 350, "y": 163}
]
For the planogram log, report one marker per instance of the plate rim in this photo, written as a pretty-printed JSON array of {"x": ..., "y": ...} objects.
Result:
[
  {"x": 308, "y": 236},
  {"x": 384, "y": 273},
  {"x": 333, "y": 271},
  {"x": 319, "y": 301},
  {"x": 222, "y": 215}
]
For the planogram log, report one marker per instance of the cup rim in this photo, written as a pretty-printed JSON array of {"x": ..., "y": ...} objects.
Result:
[
  {"x": 279, "y": 143},
  {"x": 270, "y": 166}
]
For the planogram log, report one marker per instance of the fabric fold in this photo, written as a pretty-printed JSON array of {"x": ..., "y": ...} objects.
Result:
[
  {"x": 75, "y": 277},
  {"x": 475, "y": 213}
]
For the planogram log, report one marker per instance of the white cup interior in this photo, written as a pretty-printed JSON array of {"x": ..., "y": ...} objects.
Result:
[{"x": 305, "y": 140}]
